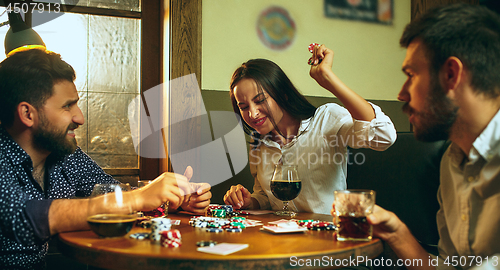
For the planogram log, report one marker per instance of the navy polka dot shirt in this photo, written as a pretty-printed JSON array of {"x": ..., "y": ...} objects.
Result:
[{"x": 24, "y": 225}]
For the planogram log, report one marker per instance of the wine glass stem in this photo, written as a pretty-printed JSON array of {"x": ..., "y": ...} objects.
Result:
[{"x": 285, "y": 206}]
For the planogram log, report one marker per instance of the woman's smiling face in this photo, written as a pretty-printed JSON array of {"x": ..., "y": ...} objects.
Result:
[{"x": 253, "y": 108}]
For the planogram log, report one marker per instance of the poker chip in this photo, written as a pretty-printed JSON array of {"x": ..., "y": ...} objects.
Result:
[
  {"x": 234, "y": 229},
  {"x": 311, "y": 46},
  {"x": 208, "y": 243},
  {"x": 158, "y": 225},
  {"x": 220, "y": 218},
  {"x": 214, "y": 230},
  {"x": 321, "y": 226},
  {"x": 139, "y": 236},
  {"x": 227, "y": 208},
  {"x": 238, "y": 224},
  {"x": 171, "y": 234},
  {"x": 171, "y": 238},
  {"x": 171, "y": 243},
  {"x": 221, "y": 213},
  {"x": 305, "y": 221}
]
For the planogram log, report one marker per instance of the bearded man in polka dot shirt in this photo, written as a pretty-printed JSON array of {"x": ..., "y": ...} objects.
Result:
[{"x": 41, "y": 166}]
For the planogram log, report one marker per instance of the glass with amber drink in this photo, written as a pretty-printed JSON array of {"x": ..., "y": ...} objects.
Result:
[
  {"x": 111, "y": 210},
  {"x": 352, "y": 206}
]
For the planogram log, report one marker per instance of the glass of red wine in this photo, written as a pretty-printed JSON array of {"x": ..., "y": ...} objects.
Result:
[
  {"x": 285, "y": 186},
  {"x": 111, "y": 210}
]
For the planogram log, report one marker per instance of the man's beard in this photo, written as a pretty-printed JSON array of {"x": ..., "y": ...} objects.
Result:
[
  {"x": 49, "y": 138},
  {"x": 436, "y": 120}
]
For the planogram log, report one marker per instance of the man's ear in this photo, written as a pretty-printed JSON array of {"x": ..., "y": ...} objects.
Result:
[
  {"x": 27, "y": 114},
  {"x": 452, "y": 73}
]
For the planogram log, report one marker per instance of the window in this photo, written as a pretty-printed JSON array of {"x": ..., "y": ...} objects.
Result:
[{"x": 119, "y": 49}]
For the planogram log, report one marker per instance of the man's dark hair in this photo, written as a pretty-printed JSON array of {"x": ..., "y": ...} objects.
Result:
[
  {"x": 270, "y": 78},
  {"x": 470, "y": 33},
  {"x": 29, "y": 76}
]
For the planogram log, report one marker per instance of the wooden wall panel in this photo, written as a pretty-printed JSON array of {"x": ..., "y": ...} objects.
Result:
[
  {"x": 151, "y": 68},
  {"x": 185, "y": 36},
  {"x": 185, "y": 59}
]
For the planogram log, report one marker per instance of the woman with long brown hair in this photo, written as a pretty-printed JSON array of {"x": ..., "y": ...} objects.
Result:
[{"x": 286, "y": 128}]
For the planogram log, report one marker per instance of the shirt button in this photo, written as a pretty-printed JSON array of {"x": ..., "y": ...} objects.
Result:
[
  {"x": 464, "y": 218},
  {"x": 471, "y": 179}
]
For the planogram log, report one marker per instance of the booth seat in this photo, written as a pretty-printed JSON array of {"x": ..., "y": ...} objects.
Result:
[{"x": 406, "y": 179}]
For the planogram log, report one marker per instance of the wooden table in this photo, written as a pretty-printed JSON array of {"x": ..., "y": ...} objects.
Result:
[{"x": 265, "y": 251}]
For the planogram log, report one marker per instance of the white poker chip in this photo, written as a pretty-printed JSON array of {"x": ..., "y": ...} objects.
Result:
[
  {"x": 214, "y": 230},
  {"x": 139, "y": 236}
]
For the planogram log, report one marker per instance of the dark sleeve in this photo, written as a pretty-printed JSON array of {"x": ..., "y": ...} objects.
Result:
[
  {"x": 37, "y": 214},
  {"x": 23, "y": 219}
]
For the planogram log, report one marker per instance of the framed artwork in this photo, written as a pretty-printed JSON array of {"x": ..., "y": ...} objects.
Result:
[
  {"x": 276, "y": 28},
  {"x": 376, "y": 11}
]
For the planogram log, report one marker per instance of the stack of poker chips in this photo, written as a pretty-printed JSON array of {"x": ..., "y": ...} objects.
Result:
[
  {"x": 223, "y": 211},
  {"x": 317, "y": 225},
  {"x": 171, "y": 238},
  {"x": 216, "y": 224},
  {"x": 159, "y": 225}
]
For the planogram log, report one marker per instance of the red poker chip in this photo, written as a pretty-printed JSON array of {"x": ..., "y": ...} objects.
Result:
[
  {"x": 311, "y": 46},
  {"x": 171, "y": 234},
  {"x": 321, "y": 224},
  {"x": 171, "y": 243}
]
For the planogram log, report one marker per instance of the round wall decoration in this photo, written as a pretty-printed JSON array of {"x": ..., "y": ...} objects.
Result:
[{"x": 275, "y": 28}]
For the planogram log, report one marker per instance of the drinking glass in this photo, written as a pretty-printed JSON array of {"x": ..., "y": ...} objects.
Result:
[
  {"x": 285, "y": 186},
  {"x": 164, "y": 207},
  {"x": 111, "y": 210},
  {"x": 352, "y": 206}
]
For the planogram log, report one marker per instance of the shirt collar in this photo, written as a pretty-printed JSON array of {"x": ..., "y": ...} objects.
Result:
[
  {"x": 304, "y": 124},
  {"x": 16, "y": 152},
  {"x": 488, "y": 141}
]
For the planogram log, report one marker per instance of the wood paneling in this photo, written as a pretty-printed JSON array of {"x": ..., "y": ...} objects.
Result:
[
  {"x": 185, "y": 59},
  {"x": 151, "y": 68},
  {"x": 185, "y": 37}
]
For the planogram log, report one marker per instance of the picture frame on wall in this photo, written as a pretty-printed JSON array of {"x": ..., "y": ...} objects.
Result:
[{"x": 375, "y": 11}]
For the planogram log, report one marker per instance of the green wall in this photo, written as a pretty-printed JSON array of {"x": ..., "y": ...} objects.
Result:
[{"x": 367, "y": 55}]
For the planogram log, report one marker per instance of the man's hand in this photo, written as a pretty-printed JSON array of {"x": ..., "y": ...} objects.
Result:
[
  {"x": 198, "y": 197},
  {"x": 386, "y": 225},
  {"x": 199, "y": 200},
  {"x": 169, "y": 187}
]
